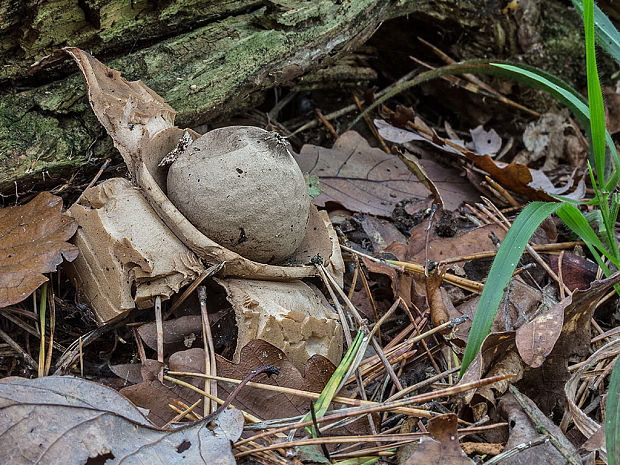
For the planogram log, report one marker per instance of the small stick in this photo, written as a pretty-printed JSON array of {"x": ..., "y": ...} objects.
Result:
[
  {"x": 379, "y": 407},
  {"x": 26, "y": 356},
  {"x": 360, "y": 321},
  {"x": 468, "y": 284},
  {"x": 52, "y": 305},
  {"x": 421, "y": 384},
  {"x": 560, "y": 260},
  {"x": 371, "y": 125},
  {"x": 192, "y": 287},
  {"x": 160, "y": 334},
  {"x": 509, "y": 198},
  {"x": 42, "y": 311},
  {"x": 209, "y": 348},
  {"x": 268, "y": 370},
  {"x": 369, "y": 295},
  {"x": 306, "y": 394},
  {"x": 182, "y": 414},
  {"x": 99, "y": 173},
  {"x": 533, "y": 416},
  {"x": 81, "y": 357},
  {"x": 139, "y": 345},
  {"x": 516, "y": 450},
  {"x": 183, "y": 405},
  {"x": 327, "y": 124},
  {"x": 559, "y": 246}
]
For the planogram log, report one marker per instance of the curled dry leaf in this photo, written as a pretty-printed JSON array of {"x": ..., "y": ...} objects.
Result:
[
  {"x": 368, "y": 180},
  {"x": 497, "y": 355},
  {"x": 443, "y": 447},
  {"x": 485, "y": 142},
  {"x": 33, "y": 241},
  {"x": 520, "y": 304},
  {"x": 65, "y": 421}
]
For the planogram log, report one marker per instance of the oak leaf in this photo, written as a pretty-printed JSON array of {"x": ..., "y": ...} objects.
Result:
[{"x": 32, "y": 242}]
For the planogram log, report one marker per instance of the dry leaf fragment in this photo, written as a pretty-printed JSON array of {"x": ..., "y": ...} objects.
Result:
[
  {"x": 514, "y": 176},
  {"x": 443, "y": 448},
  {"x": 155, "y": 396},
  {"x": 485, "y": 142},
  {"x": 32, "y": 241},
  {"x": 368, "y": 180},
  {"x": 60, "y": 420},
  {"x": 522, "y": 430},
  {"x": 545, "y": 384}
]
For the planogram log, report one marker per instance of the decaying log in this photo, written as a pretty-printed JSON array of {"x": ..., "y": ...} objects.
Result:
[{"x": 208, "y": 59}]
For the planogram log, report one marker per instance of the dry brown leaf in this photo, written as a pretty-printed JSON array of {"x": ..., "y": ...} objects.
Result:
[
  {"x": 368, "y": 180},
  {"x": 443, "y": 448},
  {"x": 264, "y": 404},
  {"x": 33, "y": 241},
  {"x": 536, "y": 338},
  {"x": 438, "y": 301},
  {"x": 533, "y": 184},
  {"x": 153, "y": 395},
  {"x": 545, "y": 384},
  {"x": 65, "y": 421},
  {"x": 441, "y": 248},
  {"x": 522, "y": 430},
  {"x": 520, "y": 304},
  {"x": 577, "y": 272},
  {"x": 497, "y": 349}
]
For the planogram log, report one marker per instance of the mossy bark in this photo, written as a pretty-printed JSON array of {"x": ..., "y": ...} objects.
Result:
[{"x": 209, "y": 58}]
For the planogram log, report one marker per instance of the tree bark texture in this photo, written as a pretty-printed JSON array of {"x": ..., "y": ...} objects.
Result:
[{"x": 211, "y": 58}]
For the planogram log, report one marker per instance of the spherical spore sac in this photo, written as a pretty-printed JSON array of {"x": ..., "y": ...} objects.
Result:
[{"x": 241, "y": 187}]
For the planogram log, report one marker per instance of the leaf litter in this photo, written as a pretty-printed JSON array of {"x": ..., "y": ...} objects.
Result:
[{"x": 402, "y": 258}]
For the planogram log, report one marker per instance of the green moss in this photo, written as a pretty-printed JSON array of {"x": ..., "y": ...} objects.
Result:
[
  {"x": 33, "y": 145},
  {"x": 230, "y": 63}
]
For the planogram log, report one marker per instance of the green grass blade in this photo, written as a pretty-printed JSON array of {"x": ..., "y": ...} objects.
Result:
[
  {"x": 612, "y": 419},
  {"x": 595, "y": 96},
  {"x": 607, "y": 36},
  {"x": 42, "y": 310},
  {"x": 358, "y": 461},
  {"x": 576, "y": 221},
  {"x": 349, "y": 362},
  {"x": 503, "y": 267}
]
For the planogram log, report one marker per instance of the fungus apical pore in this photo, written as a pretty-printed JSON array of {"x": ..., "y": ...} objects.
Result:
[{"x": 241, "y": 187}]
